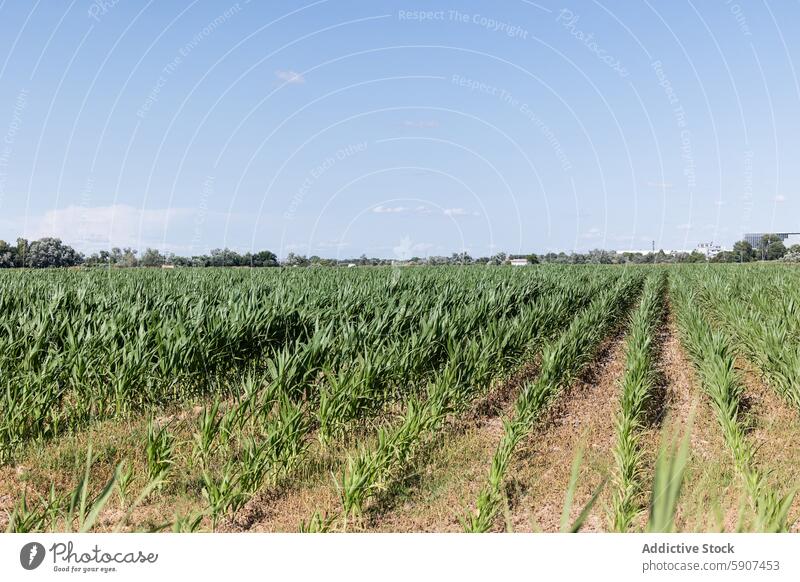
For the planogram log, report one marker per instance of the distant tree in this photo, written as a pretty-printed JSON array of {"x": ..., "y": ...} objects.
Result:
[
  {"x": 532, "y": 259},
  {"x": 293, "y": 260},
  {"x": 499, "y": 259},
  {"x": 743, "y": 250},
  {"x": 661, "y": 257},
  {"x": 725, "y": 257},
  {"x": 152, "y": 258},
  {"x": 792, "y": 256},
  {"x": 51, "y": 252},
  {"x": 764, "y": 243},
  {"x": 21, "y": 256},
  {"x": 693, "y": 257},
  {"x": 265, "y": 259},
  {"x": 227, "y": 258},
  {"x": 128, "y": 258},
  {"x": 775, "y": 250},
  {"x": 599, "y": 257},
  {"x": 577, "y": 259},
  {"x": 8, "y": 255},
  {"x": 461, "y": 258}
]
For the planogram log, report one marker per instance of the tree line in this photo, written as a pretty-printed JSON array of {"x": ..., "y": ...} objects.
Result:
[{"x": 52, "y": 252}]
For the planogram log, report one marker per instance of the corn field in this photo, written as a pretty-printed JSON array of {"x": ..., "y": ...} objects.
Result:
[{"x": 473, "y": 399}]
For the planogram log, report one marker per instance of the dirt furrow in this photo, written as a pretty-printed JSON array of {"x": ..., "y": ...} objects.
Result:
[
  {"x": 712, "y": 495},
  {"x": 582, "y": 416},
  {"x": 451, "y": 476}
]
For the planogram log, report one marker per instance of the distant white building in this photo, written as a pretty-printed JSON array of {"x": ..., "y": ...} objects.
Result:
[
  {"x": 519, "y": 262},
  {"x": 709, "y": 249}
]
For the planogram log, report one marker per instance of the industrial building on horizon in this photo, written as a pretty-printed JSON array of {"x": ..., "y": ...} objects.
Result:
[{"x": 787, "y": 238}]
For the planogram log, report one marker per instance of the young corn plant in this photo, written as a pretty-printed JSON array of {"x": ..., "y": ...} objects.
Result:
[
  {"x": 208, "y": 428},
  {"x": 637, "y": 382},
  {"x": 159, "y": 450},
  {"x": 470, "y": 369},
  {"x": 223, "y": 493},
  {"x": 124, "y": 480},
  {"x": 84, "y": 509},
  {"x": 319, "y": 523},
  {"x": 26, "y": 519}
]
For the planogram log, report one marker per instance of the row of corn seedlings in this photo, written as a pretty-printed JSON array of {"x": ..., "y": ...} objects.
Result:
[
  {"x": 637, "y": 383},
  {"x": 469, "y": 372},
  {"x": 562, "y": 361},
  {"x": 713, "y": 357},
  {"x": 761, "y": 316}
]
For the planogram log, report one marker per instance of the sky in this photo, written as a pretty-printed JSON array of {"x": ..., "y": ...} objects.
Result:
[{"x": 398, "y": 128}]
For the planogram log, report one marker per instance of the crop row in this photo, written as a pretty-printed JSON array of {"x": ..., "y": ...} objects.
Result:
[
  {"x": 562, "y": 361},
  {"x": 637, "y": 383},
  {"x": 714, "y": 359}
]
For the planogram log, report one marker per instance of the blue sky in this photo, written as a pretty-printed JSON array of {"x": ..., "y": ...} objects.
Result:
[{"x": 397, "y": 128}]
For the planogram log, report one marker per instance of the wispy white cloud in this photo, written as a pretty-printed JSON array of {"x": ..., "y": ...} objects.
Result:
[
  {"x": 380, "y": 209},
  {"x": 780, "y": 198},
  {"x": 592, "y": 233},
  {"x": 654, "y": 184},
  {"x": 685, "y": 226},
  {"x": 290, "y": 77}
]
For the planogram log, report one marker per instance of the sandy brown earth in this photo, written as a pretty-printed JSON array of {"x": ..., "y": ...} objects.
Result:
[
  {"x": 447, "y": 480},
  {"x": 582, "y": 418},
  {"x": 448, "y": 483},
  {"x": 711, "y": 496}
]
